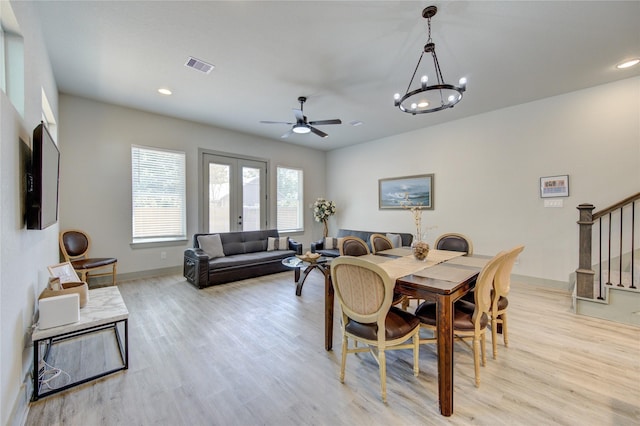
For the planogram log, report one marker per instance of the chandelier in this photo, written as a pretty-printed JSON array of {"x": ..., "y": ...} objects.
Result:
[{"x": 439, "y": 95}]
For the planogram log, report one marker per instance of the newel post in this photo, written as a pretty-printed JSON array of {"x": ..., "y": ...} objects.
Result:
[{"x": 584, "y": 273}]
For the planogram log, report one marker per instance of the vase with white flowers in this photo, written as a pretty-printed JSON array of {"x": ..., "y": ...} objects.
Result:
[{"x": 322, "y": 210}]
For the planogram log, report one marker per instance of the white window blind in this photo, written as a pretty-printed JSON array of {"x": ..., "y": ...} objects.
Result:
[
  {"x": 289, "y": 200},
  {"x": 158, "y": 192}
]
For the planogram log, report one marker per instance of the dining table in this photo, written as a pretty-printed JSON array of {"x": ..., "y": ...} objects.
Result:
[{"x": 443, "y": 277}]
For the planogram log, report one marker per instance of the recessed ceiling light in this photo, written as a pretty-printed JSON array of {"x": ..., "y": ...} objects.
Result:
[
  {"x": 628, "y": 64},
  {"x": 164, "y": 91}
]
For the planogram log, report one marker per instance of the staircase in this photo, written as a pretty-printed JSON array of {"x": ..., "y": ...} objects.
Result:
[{"x": 607, "y": 281}]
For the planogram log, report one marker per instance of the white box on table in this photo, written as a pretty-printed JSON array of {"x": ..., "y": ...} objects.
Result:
[{"x": 59, "y": 310}]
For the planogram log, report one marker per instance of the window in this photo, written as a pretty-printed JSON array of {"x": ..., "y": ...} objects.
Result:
[
  {"x": 12, "y": 72},
  {"x": 290, "y": 201},
  {"x": 158, "y": 194}
]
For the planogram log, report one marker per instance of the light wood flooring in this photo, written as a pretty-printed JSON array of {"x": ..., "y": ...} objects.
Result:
[{"x": 252, "y": 353}]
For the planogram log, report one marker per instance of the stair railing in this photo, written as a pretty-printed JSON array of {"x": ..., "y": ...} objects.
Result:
[{"x": 619, "y": 222}]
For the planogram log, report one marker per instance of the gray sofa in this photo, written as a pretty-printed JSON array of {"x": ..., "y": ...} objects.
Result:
[
  {"x": 318, "y": 246},
  {"x": 246, "y": 255}
]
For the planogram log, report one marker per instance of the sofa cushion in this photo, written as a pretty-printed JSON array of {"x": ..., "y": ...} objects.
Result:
[
  {"x": 280, "y": 243},
  {"x": 396, "y": 240},
  {"x": 211, "y": 244},
  {"x": 233, "y": 243},
  {"x": 249, "y": 259},
  {"x": 331, "y": 243},
  {"x": 329, "y": 253},
  {"x": 255, "y": 246}
]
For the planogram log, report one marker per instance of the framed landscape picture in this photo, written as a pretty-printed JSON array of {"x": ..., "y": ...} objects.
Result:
[
  {"x": 554, "y": 186},
  {"x": 407, "y": 191}
]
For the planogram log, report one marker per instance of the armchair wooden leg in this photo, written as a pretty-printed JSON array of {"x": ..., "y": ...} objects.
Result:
[
  {"x": 494, "y": 336},
  {"x": 416, "y": 354},
  {"x": 345, "y": 343},
  {"x": 476, "y": 360},
  {"x": 505, "y": 335},
  {"x": 382, "y": 360}
]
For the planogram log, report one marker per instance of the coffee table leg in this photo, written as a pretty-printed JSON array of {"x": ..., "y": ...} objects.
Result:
[{"x": 301, "y": 278}]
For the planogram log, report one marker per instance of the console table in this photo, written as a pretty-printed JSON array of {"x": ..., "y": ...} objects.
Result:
[{"x": 104, "y": 310}]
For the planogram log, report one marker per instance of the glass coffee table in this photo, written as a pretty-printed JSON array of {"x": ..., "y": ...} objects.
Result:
[{"x": 303, "y": 268}]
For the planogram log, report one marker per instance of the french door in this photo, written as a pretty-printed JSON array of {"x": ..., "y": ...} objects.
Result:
[{"x": 234, "y": 196}]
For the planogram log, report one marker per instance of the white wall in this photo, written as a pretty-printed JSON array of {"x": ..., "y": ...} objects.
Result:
[
  {"x": 95, "y": 195},
  {"x": 487, "y": 171},
  {"x": 24, "y": 254}
]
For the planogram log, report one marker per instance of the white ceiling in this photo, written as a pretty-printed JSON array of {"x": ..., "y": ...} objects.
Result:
[{"x": 348, "y": 58}]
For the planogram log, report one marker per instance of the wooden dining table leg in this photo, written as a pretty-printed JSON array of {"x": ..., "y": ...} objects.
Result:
[
  {"x": 445, "y": 354},
  {"x": 328, "y": 309}
]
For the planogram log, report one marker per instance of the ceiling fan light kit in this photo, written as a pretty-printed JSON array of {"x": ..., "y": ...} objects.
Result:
[
  {"x": 301, "y": 129},
  {"x": 430, "y": 98},
  {"x": 302, "y": 126}
]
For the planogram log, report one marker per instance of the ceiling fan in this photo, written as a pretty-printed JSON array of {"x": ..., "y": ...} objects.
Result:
[{"x": 301, "y": 125}]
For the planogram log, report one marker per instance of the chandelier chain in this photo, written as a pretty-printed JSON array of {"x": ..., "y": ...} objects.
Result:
[{"x": 414, "y": 73}]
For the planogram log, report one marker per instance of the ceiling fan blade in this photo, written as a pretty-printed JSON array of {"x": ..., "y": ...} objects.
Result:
[
  {"x": 286, "y": 135},
  {"x": 299, "y": 115},
  {"x": 320, "y": 122},
  {"x": 318, "y": 132},
  {"x": 277, "y": 122}
]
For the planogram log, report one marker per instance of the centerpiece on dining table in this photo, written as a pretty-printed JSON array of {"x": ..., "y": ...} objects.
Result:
[{"x": 419, "y": 247}]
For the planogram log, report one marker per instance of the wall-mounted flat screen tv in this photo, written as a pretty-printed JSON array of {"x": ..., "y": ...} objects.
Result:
[{"x": 43, "y": 181}]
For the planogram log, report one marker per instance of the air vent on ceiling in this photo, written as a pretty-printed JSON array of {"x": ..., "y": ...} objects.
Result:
[{"x": 199, "y": 65}]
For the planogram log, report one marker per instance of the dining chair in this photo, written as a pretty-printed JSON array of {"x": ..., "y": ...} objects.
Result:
[
  {"x": 74, "y": 245},
  {"x": 365, "y": 292},
  {"x": 454, "y": 242},
  {"x": 499, "y": 301},
  {"x": 379, "y": 242},
  {"x": 353, "y": 246},
  {"x": 468, "y": 325}
]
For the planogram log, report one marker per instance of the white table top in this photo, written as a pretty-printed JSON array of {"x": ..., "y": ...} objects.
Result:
[{"x": 104, "y": 306}]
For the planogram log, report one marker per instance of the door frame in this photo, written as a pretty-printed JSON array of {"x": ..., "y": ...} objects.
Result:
[{"x": 202, "y": 218}]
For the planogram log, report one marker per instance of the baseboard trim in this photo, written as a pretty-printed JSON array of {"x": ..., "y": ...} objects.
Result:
[
  {"x": 104, "y": 281},
  {"x": 542, "y": 282}
]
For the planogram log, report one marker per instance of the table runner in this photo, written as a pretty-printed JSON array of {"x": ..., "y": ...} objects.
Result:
[
  {"x": 446, "y": 272},
  {"x": 398, "y": 251},
  {"x": 374, "y": 258},
  {"x": 406, "y": 265},
  {"x": 471, "y": 261}
]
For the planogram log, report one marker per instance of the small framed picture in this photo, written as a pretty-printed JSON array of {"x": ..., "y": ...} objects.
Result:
[
  {"x": 64, "y": 272},
  {"x": 554, "y": 186}
]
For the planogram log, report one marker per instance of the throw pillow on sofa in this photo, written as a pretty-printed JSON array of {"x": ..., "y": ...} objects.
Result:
[
  {"x": 280, "y": 243},
  {"x": 396, "y": 240},
  {"x": 331, "y": 243},
  {"x": 211, "y": 245}
]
